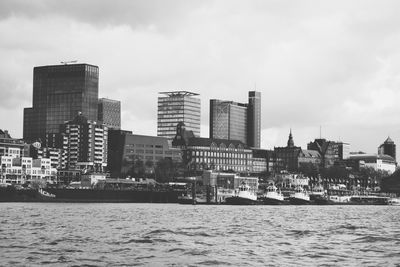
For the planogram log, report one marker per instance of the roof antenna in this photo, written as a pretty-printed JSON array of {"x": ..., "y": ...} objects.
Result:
[{"x": 320, "y": 132}]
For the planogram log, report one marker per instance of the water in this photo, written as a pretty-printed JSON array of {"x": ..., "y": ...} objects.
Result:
[{"x": 185, "y": 235}]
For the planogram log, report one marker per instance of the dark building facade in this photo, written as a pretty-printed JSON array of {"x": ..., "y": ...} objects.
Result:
[
  {"x": 124, "y": 148},
  {"x": 254, "y": 120},
  {"x": 59, "y": 93},
  {"x": 84, "y": 145},
  {"x": 109, "y": 113},
  {"x": 329, "y": 151},
  {"x": 291, "y": 157},
  {"x": 388, "y": 148},
  {"x": 237, "y": 121}
]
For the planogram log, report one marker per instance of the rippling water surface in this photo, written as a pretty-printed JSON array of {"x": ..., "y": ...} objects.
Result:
[{"x": 186, "y": 235}]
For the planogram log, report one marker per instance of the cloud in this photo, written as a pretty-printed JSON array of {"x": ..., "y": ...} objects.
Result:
[{"x": 333, "y": 64}]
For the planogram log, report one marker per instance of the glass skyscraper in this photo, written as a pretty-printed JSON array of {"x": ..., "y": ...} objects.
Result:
[
  {"x": 237, "y": 121},
  {"x": 109, "y": 113},
  {"x": 228, "y": 120},
  {"x": 175, "y": 107},
  {"x": 60, "y": 92}
]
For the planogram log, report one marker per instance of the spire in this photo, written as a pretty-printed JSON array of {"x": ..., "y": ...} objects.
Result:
[{"x": 290, "y": 142}]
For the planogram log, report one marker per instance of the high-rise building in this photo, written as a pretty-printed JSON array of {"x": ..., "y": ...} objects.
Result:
[
  {"x": 388, "y": 148},
  {"x": 109, "y": 113},
  {"x": 59, "y": 93},
  {"x": 85, "y": 145},
  {"x": 228, "y": 120},
  {"x": 237, "y": 121},
  {"x": 254, "y": 120},
  {"x": 175, "y": 107}
]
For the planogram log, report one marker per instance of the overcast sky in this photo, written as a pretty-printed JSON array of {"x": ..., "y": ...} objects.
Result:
[{"x": 317, "y": 63}]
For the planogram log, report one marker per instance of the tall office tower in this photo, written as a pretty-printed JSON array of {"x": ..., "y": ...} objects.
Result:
[
  {"x": 84, "y": 144},
  {"x": 228, "y": 120},
  {"x": 388, "y": 148},
  {"x": 237, "y": 121},
  {"x": 59, "y": 93},
  {"x": 175, "y": 107},
  {"x": 254, "y": 120},
  {"x": 109, "y": 113}
]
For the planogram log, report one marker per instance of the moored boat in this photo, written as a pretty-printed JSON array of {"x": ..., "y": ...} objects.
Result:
[
  {"x": 299, "y": 197},
  {"x": 272, "y": 196},
  {"x": 243, "y": 196},
  {"x": 393, "y": 201}
]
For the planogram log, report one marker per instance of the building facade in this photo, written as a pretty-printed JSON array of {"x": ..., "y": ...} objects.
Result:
[
  {"x": 388, "y": 148},
  {"x": 328, "y": 150},
  {"x": 125, "y": 149},
  {"x": 228, "y": 120},
  {"x": 377, "y": 162},
  {"x": 222, "y": 155},
  {"x": 10, "y": 146},
  {"x": 237, "y": 121},
  {"x": 59, "y": 93},
  {"x": 175, "y": 107},
  {"x": 84, "y": 145},
  {"x": 254, "y": 120},
  {"x": 109, "y": 113}
]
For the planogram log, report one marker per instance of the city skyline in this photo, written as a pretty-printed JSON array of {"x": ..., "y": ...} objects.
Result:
[{"x": 333, "y": 65}]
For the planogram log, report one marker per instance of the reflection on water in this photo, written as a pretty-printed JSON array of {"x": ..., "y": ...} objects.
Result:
[{"x": 181, "y": 235}]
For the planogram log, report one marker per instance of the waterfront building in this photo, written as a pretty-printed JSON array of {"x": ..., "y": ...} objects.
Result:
[
  {"x": 109, "y": 113},
  {"x": 374, "y": 161},
  {"x": 388, "y": 148},
  {"x": 59, "y": 93},
  {"x": 175, "y": 107},
  {"x": 125, "y": 149},
  {"x": 84, "y": 144},
  {"x": 237, "y": 121},
  {"x": 223, "y": 155},
  {"x": 20, "y": 170},
  {"x": 328, "y": 150},
  {"x": 291, "y": 157},
  {"x": 10, "y": 146}
]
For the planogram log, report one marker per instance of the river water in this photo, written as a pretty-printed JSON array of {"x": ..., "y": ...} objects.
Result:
[{"x": 185, "y": 235}]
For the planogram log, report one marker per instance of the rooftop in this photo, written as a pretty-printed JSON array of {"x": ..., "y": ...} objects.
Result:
[{"x": 178, "y": 93}]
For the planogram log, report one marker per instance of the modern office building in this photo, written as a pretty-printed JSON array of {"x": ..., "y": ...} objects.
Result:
[
  {"x": 344, "y": 150},
  {"x": 254, "y": 120},
  {"x": 84, "y": 145},
  {"x": 175, "y": 107},
  {"x": 388, "y": 148},
  {"x": 328, "y": 150},
  {"x": 59, "y": 93},
  {"x": 228, "y": 120},
  {"x": 126, "y": 149},
  {"x": 237, "y": 121},
  {"x": 109, "y": 113}
]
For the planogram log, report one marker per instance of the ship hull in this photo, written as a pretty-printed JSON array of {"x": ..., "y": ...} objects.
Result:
[
  {"x": 273, "y": 201},
  {"x": 240, "y": 201},
  {"x": 298, "y": 201}
]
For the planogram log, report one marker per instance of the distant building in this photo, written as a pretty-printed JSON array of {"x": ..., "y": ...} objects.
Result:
[
  {"x": 20, "y": 170},
  {"x": 343, "y": 150},
  {"x": 374, "y": 161},
  {"x": 237, "y": 121},
  {"x": 328, "y": 150},
  {"x": 214, "y": 154},
  {"x": 124, "y": 148},
  {"x": 175, "y": 107},
  {"x": 291, "y": 157},
  {"x": 388, "y": 148},
  {"x": 109, "y": 113},
  {"x": 254, "y": 120},
  {"x": 59, "y": 93},
  {"x": 84, "y": 145},
  {"x": 10, "y": 146}
]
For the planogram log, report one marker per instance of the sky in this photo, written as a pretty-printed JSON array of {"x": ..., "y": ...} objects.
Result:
[{"x": 329, "y": 65}]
